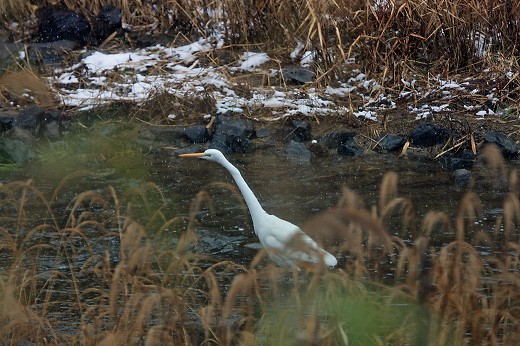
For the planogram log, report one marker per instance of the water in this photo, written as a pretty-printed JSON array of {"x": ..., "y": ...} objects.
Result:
[
  {"x": 152, "y": 184},
  {"x": 293, "y": 191}
]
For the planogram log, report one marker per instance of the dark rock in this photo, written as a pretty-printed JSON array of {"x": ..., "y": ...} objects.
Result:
[
  {"x": 30, "y": 118},
  {"x": 298, "y": 152},
  {"x": 7, "y": 119},
  {"x": 107, "y": 22},
  {"x": 263, "y": 132},
  {"x": 298, "y": 75},
  {"x": 56, "y": 24},
  {"x": 37, "y": 120},
  {"x": 427, "y": 135},
  {"x": 8, "y": 55},
  {"x": 452, "y": 162},
  {"x": 349, "y": 148},
  {"x": 391, "y": 142},
  {"x": 506, "y": 145},
  {"x": 56, "y": 122},
  {"x": 461, "y": 177},
  {"x": 302, "y": 130},
  {"x": 16, "y": 146},
  {"x": 196, "y": 134},
  {"x": 50, "y": 53},
  {"x": 232, "y": 135},
  {"x": 334, "y": 139}
]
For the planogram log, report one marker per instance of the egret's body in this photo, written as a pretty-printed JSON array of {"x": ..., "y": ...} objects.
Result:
[{"x": 283, "y": 241}]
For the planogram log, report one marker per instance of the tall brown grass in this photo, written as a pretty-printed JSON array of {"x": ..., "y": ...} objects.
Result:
[{"x": 89, "y": 273}]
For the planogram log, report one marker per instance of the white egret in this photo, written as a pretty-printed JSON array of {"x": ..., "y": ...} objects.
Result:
[{"x": 284, "y": 242}]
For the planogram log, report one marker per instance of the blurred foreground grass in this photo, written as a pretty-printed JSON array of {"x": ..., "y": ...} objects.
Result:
[{"x": 104, "y": 268}]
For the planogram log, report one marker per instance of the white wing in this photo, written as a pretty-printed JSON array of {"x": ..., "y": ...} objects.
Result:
[{"x": 286, "y": 242}]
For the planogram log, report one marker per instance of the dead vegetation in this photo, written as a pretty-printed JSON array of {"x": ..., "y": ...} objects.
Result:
[
  {"x": 394, "y": 40},
  {"x": 89, "y": 273}
]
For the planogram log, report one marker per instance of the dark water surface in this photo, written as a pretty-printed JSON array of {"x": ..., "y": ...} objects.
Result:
[{"x": 291, "y": 190}]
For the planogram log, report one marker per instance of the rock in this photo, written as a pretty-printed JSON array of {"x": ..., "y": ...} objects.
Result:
[
  {"x": 105, "y": 23},
  {"x": 298, "y": 75},
  {"x": 506, "y": 145},
  {"x": 56, "y": 122},
  {"x": 334, "y": 139},
  {"x": 7, "y": 118},
  {"x": 9, "y": 52},
  {"x": 297, "y": 152},
  {"x": 55, "y": 24},
  {"x": 196, "y": 134},
  {"x": 302, "y": 130},
  {"x": 391, "y": 142},
  {"x": 16, "y": 146},
  {"x": 349, "y": 148},
  {"x": 465, "y": 160},
  {"x": 30, "y": 118},
  {"x": 461, "y": 177},
  {"x": 263, "y": 133},
  {"x": 50, "y": 53},
  {"x": 427, "y": 135},
  {"x": 232, "y": 135}
]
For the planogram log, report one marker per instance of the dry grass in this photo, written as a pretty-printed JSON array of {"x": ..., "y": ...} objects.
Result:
[
  {"x": 88, "y": 273},
  {"x": 390, "y": 39}
]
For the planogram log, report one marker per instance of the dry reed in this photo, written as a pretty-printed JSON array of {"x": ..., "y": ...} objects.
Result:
[{"x": 120, "y": 282}]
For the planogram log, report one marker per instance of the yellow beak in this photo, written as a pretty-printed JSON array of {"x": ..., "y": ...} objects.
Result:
[{"x": 192, "y": 155}]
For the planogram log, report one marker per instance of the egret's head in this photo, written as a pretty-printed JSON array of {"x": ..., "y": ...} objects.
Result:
[{"x": 210, "y": 155}]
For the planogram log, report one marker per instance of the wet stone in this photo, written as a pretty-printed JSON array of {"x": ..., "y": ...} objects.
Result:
[
  {"x": 391, "y": 142},
  {"x": 30, "y": 118},
  {"x": 7, "y": 119},
  {"x": 107, "y": 22},
  {"x": 51, "y": 53},
  {"x": 298, "y": 152},
  {"x": 232, "y": 135},
  {"x": 506, "y": 145},
  {"x": 196, "y": 134},
  {"x": 298, "y": 75},
  {"x": 263, "y": 133},
  {"x": 302, "y": 130},
  {"x": 349, "y": 148},
  {"x": 16, "y": 146},
  {"x": 55, "y": 24},
  {"x": 453, "y": 163},
  {"x": 334, "y": 139},
  {"x": 427, "y": 135}
]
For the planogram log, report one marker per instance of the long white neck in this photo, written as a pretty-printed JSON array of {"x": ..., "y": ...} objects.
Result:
[{"x": 255, "y": 209}]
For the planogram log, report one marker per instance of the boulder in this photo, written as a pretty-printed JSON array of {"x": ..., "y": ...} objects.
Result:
[
  {"x": 196, "y": 134},
  {"x": 232, "y": 134},
  {"x": 298, "y": 75},
  {"x": 55, "y": 24},
  {"x": 428, "y": 135},
  {"x": 391, "y": 142},
  {"x": 349, "y": 148},
  {"x": 334, "y": 139},
  {"x": 16, "y": 146},
  {"x": 302, "y": 130},
  {"x": 105, "y": 23},
  {"x": 506, "y": 145},
  {"x": 50, "y": 53},
  {"x": 297, "y": 152}
]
